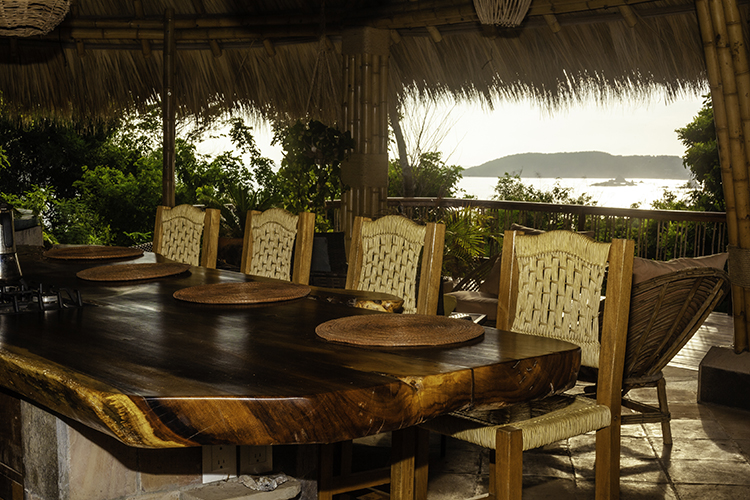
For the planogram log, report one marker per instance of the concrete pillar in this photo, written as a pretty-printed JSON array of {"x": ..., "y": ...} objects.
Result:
[{"x": 365, "y": 114}]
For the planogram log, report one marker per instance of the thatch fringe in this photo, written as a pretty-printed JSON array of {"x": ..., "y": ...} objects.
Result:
[{"x": 275, "y": 77}]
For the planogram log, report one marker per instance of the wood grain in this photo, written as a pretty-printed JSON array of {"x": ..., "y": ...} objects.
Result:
[{"x": 155, "y": 372}]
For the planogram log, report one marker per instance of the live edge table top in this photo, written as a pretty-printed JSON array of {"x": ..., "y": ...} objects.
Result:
[{"x": 155, "y": 372}]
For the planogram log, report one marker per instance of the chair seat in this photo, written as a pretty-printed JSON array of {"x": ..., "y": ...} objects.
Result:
[{"x": 541, "y": 422}]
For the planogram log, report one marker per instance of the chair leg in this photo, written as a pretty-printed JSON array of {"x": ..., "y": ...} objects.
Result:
[
  {"x": 666, "y": 428},
  {"x": 508, "y": 473},
  {"x": 607, "y": 465},
  {"x": 421, "y": 464},
  {"x": 325, "y": 472},
  {"x": 403, "y": 444}
]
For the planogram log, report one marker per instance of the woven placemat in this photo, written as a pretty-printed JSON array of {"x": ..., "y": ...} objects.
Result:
[
  {"x": 132, "y": 272},
  {"x": 92, "y": 252},
  {"x": 399, "y": 330},
  {"x": 251, "y": 292}
]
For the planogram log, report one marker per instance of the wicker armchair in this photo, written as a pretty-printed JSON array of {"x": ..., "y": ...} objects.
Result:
[
  {"x": 550, "y": 286},
  {"x": 385, "y": 255},
  {"x": 665, "y": 312},
  {"x": 187, "y": 234},
  {"x": 271, "y": 238}
]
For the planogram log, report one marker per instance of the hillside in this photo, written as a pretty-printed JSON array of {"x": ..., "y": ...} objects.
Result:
[{"x": 590, "y": 164}]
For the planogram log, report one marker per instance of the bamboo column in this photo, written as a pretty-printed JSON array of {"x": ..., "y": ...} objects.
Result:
[
  {"x": 365, "y": 115},
  {"x": 730, "y": 86},
  {"x": 168, "y": 111}
]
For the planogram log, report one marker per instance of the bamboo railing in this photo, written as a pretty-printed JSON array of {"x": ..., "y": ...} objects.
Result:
[{"x": 658, "y": 234}]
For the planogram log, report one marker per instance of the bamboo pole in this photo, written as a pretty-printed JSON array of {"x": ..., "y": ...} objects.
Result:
[
  {"x": 365, "y": 105},
  {"x": 742, "y": 76},
  {"x": 375, "y": 106},
  {"x": 168, "y": 111},
  {"x": 551, "y": 21},
  {"x": 720, "y": 121},
  {"x": 384, "y": 104},
  {"x": 140, "y": 14},
  {"x": 739, "y": 162}
]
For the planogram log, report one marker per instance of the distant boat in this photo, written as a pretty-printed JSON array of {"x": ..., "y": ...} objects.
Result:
[{"x": 617, "y": 181}]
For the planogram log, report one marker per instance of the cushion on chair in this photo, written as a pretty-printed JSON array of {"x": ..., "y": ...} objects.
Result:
[
  {"x": 542, "y": 422},
  {"x": 644, "y": 269},
  {"x": 491, "y": 283},
  {"x": 475, "y": 302}
]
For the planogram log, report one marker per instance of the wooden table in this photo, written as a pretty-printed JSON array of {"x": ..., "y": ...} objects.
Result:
[{"x": 154, "y": 372}]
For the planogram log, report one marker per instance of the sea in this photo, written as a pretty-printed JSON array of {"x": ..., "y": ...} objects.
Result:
[{"x": 641, "y": 191}]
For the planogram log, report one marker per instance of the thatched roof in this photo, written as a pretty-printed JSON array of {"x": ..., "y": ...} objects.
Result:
[{"x": 282, "y": 56}]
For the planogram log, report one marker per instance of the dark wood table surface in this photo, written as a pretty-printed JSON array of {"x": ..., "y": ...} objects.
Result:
[{"x": 155, "y": 372}]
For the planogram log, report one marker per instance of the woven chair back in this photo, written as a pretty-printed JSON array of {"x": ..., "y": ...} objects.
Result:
[
  {"x": 385, "y": 257},
  {"x": 179, "y": 231},
  {"x": 556, "y": 285},
  {"x": 269, "y": 248},
  {"x": 665, "y": 312}
]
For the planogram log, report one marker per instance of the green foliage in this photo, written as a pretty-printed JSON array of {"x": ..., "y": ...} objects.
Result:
[
  {"x": 49, "y": 155},
  {"x": 227, "y": 184},
  {"x": 3, "y": 159},
  {"x": 62, "y": 220},
  {"x": 124, "y": 201},
  {"x": 432, "y": 177},
  {"x": 76, "y": 223},
  {"x": 702, "y": 158},
  {"x": 102, "y": 186},
  {"x": 511, "y": 188},
  {"x": 467, "y": 232},
  {"x": 310, "y": 172}
]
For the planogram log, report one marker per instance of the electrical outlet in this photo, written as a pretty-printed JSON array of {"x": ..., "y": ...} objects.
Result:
[
  {"x": 255, "y": 459},
  {"x": 219, "y": 462}
]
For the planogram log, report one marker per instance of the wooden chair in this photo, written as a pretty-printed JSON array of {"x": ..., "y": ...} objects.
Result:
[
  {"x": 187, "y": 234},
  {"x": 550, "y": 285},
  {"x": 271, "y": 238},
  {"x": 665, "y": 312},
  {"x": 385, "y": 255}
]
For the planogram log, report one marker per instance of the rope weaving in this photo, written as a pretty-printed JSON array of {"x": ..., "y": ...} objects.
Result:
[
  {"x": 31, "y": 18},
  {"x": 274, "y": 232},
  {"x": 183, "y": 228},
  {"x": 559, "y": 291},
  {"x": 391, "y": 249},
  {"x": 570, "y": 416}
]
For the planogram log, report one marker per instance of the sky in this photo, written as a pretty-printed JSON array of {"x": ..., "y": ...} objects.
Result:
[{"x": 473, "y": 136}]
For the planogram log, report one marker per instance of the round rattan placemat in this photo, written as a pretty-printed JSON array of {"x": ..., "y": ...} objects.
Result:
[
  {"x": 132, "y": 272},
  {"x": 251, "y": 292},
  {"x": 399, "y": 330},
  {"x": 92, "y": 252}
]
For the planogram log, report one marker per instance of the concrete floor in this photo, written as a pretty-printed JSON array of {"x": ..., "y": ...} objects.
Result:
[{"x": 709, "y": 459}]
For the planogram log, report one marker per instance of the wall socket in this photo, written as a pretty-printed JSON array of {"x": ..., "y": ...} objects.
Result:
[
  {"x": 255, "y": 459},
  {"x": 219, "y": 462}
]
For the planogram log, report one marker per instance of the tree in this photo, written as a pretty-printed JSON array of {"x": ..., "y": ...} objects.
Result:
[
  {"x": 417, "y": 130},
  {"x": 310, "y": 172},
  {"x": 702, "y": 158},
  {"x": 235, "y": 188},
  {"x": 48, "y": 154},
  {"x": 105, "y": 188},
  {"x": 511, "y": 188},
  {"x": 431, "y": 177}
]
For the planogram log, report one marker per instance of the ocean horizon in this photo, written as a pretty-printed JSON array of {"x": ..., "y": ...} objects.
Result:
[{"x": 643, "y": 190}]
